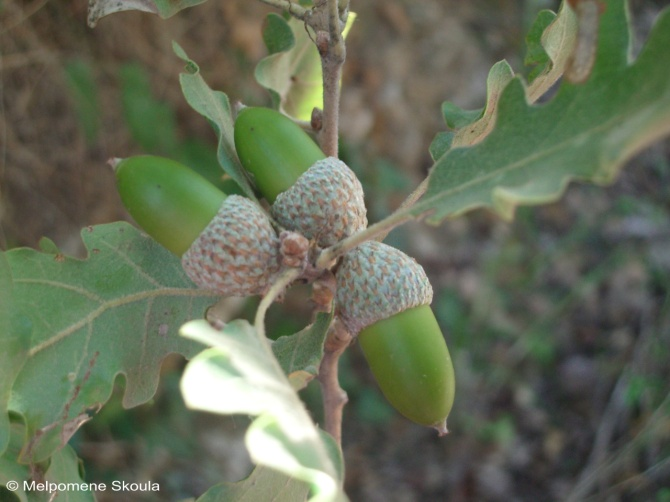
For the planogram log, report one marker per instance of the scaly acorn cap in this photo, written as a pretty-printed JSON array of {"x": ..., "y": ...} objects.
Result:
[
  {"x": 326, "y": 203},
  {"x": 237, "y": 254},
  {"x": 376, "y": 281}
]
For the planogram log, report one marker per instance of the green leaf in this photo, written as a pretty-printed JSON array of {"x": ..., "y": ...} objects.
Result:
[
  {"x": 164, "y": 8},
  {"x": 456, "y": 117},
  {"x": 277, "y": 34},
  {"x": 151, "y": 122},
  {"x": 14, "y": 345},
  {"x": 474, "y": 125},
  {"x": 262, "y": 484},
  {"x": 440, "y": 144},
  {"x": 63, "y": 467},
  {"x": 292, "y": 71},
  {"x": 10, "y": 469},
  {"x": 557, "y": 42},
  {"x": 300, "y": 354},
  {"x": 550, "y": 43},
  {"x": 268, "y": 484},
  {"x": 215, "y": 107},
  {"x": 276, "y": 440},
  {"x": 116, "y": 312},
  {"x": 46, "y": 245},
  {"x": 585, "y": 132},
  {"x": 536, "y": 56},
  {"x": 239, "y": 374},
  {"x": 293, "y": 75}
]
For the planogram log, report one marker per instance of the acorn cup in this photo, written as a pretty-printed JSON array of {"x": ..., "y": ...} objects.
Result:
[
  {"x": 318, "y": 197},
  {"x": 383, "y": 297},
  {"x": 326, "y": 203},
  {"x": 237, "y": 254},
  {"x": 227, "y": 243}
]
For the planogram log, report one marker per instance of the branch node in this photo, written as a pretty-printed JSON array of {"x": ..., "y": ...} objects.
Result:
[
  {"x": 322, "y": 41},
  {"x": 316, "y": 120}
]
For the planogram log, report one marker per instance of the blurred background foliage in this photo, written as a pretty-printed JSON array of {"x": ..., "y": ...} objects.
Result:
[{"x": 558, "y": 323}]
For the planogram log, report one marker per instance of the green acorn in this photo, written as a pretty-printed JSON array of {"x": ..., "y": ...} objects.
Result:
[
  {"x": 169, "y": 201},
  {"x": 226, "y": 243},
  {"x": 326, "y": 203},
  {"x": 383, "y": 296},
  {"x": 319, "y": 197},
  {"x": 273, "y": 149}
]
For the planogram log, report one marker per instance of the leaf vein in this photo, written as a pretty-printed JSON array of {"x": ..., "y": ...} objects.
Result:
[
  {"x": 518, "y": 164},
  {"x": 119, "y": 302},
  {"x": 133, "y": 265},
  {"x": 44, "y": 282}
]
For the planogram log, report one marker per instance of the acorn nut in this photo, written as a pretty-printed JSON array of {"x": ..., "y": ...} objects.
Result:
[
  {"x": 325, "y": 204},
  {"x": 383, "y": 297},
  {"x": 168, "y": 200},
  {"x": 376, "y": 281},
  {"x": 273, "y": 149},
  {"x": 318, "y": 197},
  {"x": 227, "y": 243}
]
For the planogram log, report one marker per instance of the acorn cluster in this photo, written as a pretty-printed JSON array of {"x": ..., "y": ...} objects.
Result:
[
  {"x": 239, "y": 252},
  {"x": 231, "y": 245}
]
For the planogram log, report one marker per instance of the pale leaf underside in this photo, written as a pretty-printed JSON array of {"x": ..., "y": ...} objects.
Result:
[
  {"x": 586, "y": 132},
  {"x": 239, "y": 374},
  {"x": 164, "y": 8}
]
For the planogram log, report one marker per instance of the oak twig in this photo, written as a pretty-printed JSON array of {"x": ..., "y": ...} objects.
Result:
[
  {"x": 328, "y": 26},
  {"x": 334, "y": 397},
  {"x": 326, "y": 21},
  {"x": 332, "y": 49}
]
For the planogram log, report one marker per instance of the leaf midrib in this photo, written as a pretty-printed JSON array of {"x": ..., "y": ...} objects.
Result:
[
  {"x": 428, "y": 203},
  {"x": 109, "y": 305}
]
